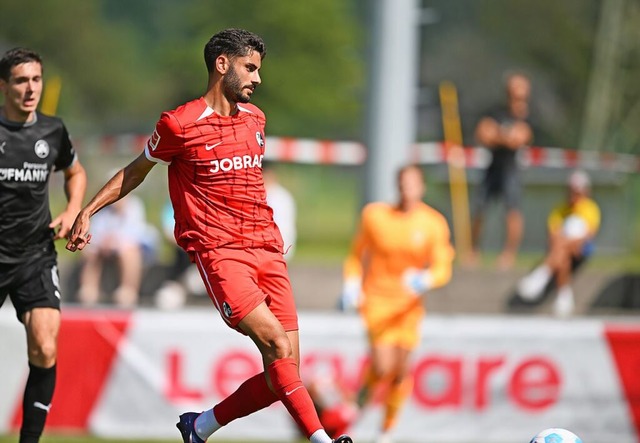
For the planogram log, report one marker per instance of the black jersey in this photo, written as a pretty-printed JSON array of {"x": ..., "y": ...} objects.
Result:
[
  {"x": 503, "y": 161},
  {"x": 29, "y": 153}
]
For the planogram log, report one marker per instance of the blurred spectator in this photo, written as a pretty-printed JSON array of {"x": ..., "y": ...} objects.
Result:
[
  {"x": 572, "y": 226},
  {"x": 119, "y": 232},
  {"x": 284, "y": 208},
  {"x": 504, "y": 131},
  {"x": 400, "y": 252},
  {"x": 182, "y": 278}
]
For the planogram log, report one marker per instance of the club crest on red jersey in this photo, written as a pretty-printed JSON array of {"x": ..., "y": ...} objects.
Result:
[
  {"x": 260, "y": 139},
  {"x": 227, "y": 309}
]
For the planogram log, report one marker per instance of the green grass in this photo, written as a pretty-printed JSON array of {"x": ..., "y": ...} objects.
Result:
[
  {"x": 91, "y": 439},
  {"x": 81, "y": 439}
]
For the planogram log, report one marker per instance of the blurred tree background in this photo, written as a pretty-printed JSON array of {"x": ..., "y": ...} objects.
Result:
[
  {"x": 122, "y": 62},
  {"x": 474, "y": 42}
]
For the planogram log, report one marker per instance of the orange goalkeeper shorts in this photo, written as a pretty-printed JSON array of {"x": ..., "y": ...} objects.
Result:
[{"x": 393, "y": 322}]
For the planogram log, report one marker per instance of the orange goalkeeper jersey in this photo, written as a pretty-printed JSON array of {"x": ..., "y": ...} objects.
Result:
[{"x": 390, "y": 241}]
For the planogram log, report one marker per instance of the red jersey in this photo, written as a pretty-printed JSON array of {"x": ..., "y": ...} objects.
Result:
[{"x": 215, "y": 176}]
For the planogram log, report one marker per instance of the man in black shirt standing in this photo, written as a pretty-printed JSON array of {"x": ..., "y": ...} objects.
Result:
[
  {"x": 504, "y": 131},
  {"x": 32, "y": 146}
]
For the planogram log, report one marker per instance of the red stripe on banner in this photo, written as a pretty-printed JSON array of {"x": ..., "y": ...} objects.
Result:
[
  {"x": 469, "y": 157},
  {"x": 87, "y": 349},
  {"x": 537, "y": 156},
  {"x": 625, "y": 347},
  {"x": 327, "y": 152},
  {"x": 287, "y": 149},
  {"x": 443, "y": 151},
  {"x": 571, "y": 158}
]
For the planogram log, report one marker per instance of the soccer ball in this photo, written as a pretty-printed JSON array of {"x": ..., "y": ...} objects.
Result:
[{"x": 555, "y": 435}]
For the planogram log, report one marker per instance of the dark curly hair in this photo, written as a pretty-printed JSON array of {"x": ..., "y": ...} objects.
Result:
[
  {"x": 14, "y": 57},
  {"x": 233, "y": 43}
]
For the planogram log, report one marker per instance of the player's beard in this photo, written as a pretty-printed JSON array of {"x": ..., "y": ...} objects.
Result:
[{"x": 232, "y": 86}]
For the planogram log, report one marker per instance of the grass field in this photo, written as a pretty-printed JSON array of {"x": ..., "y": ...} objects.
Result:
[
  {"x": 89, "y": 439},
  {"x": 83, "y": 439}
]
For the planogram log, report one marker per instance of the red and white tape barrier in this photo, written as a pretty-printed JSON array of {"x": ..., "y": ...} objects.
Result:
[{"x": 350, "y": 153}]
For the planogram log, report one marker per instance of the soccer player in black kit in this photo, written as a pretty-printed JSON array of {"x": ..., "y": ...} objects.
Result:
[{"x": 32, "y": 146}]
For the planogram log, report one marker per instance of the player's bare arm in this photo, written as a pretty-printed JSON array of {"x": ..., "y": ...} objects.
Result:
[
  {"x": 518, "y": 135},
  {"x": 75, "y": 186},
  {"x": 123, "y": 182},
  {"x": 488, "y": 132}
]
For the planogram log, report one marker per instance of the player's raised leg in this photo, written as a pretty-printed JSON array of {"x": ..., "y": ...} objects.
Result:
[{"x": 280, "y": 353}]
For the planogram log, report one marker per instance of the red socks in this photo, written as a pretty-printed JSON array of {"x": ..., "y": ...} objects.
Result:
[
  {"x": 294, "y": 395},
  {"x": 252, "y": 395}
]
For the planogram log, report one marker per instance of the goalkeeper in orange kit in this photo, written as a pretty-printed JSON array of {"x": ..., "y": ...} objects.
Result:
[{"x": 400, "y": 252}]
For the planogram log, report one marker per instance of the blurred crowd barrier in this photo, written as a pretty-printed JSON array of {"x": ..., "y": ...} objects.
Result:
[{"x": 326, "y": 179}]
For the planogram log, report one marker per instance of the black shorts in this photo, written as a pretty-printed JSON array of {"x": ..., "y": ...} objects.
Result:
[
  {"x": 31, "y": 284},
  {"x": 506, "y": 186}
]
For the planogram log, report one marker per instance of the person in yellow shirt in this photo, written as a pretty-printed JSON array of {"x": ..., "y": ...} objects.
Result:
[
  {"x": 572, "y": 227},
  {"x": 400, "y": 252}
]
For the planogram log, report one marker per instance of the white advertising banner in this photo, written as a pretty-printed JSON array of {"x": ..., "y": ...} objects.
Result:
[
  {"x": 14, "y": 367},
  {"x": 493, "y": 379}
]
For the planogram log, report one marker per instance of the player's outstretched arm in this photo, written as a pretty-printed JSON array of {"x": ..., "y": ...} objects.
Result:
[
  {"x": 75, "y": 184},
  {"x": 123, "y": 182},
  {"x": 350, "y": 298},
  {"x": 440, "y": 268}
]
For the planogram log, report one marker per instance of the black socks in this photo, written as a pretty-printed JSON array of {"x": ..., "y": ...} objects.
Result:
[{"x": 36, "y": 402}]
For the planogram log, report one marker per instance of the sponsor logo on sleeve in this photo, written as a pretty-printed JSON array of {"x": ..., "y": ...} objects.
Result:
[{"x": 154, "y": 140}]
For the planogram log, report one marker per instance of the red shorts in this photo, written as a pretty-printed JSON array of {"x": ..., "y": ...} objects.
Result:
[{"x": 238, "y": 280}]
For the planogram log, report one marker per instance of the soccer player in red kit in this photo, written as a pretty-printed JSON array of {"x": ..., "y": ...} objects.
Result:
[{"x": 213, "y": 147}]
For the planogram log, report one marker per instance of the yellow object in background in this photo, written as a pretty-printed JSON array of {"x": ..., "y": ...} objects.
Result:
[
  {"x": 456, "y": 164},
  {"x": 51, "y": 96}
]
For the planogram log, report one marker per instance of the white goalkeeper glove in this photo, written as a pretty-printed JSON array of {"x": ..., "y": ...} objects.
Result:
[
  {"x": 350, "y": 297},
  {"x": 417, "y": 281}
]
